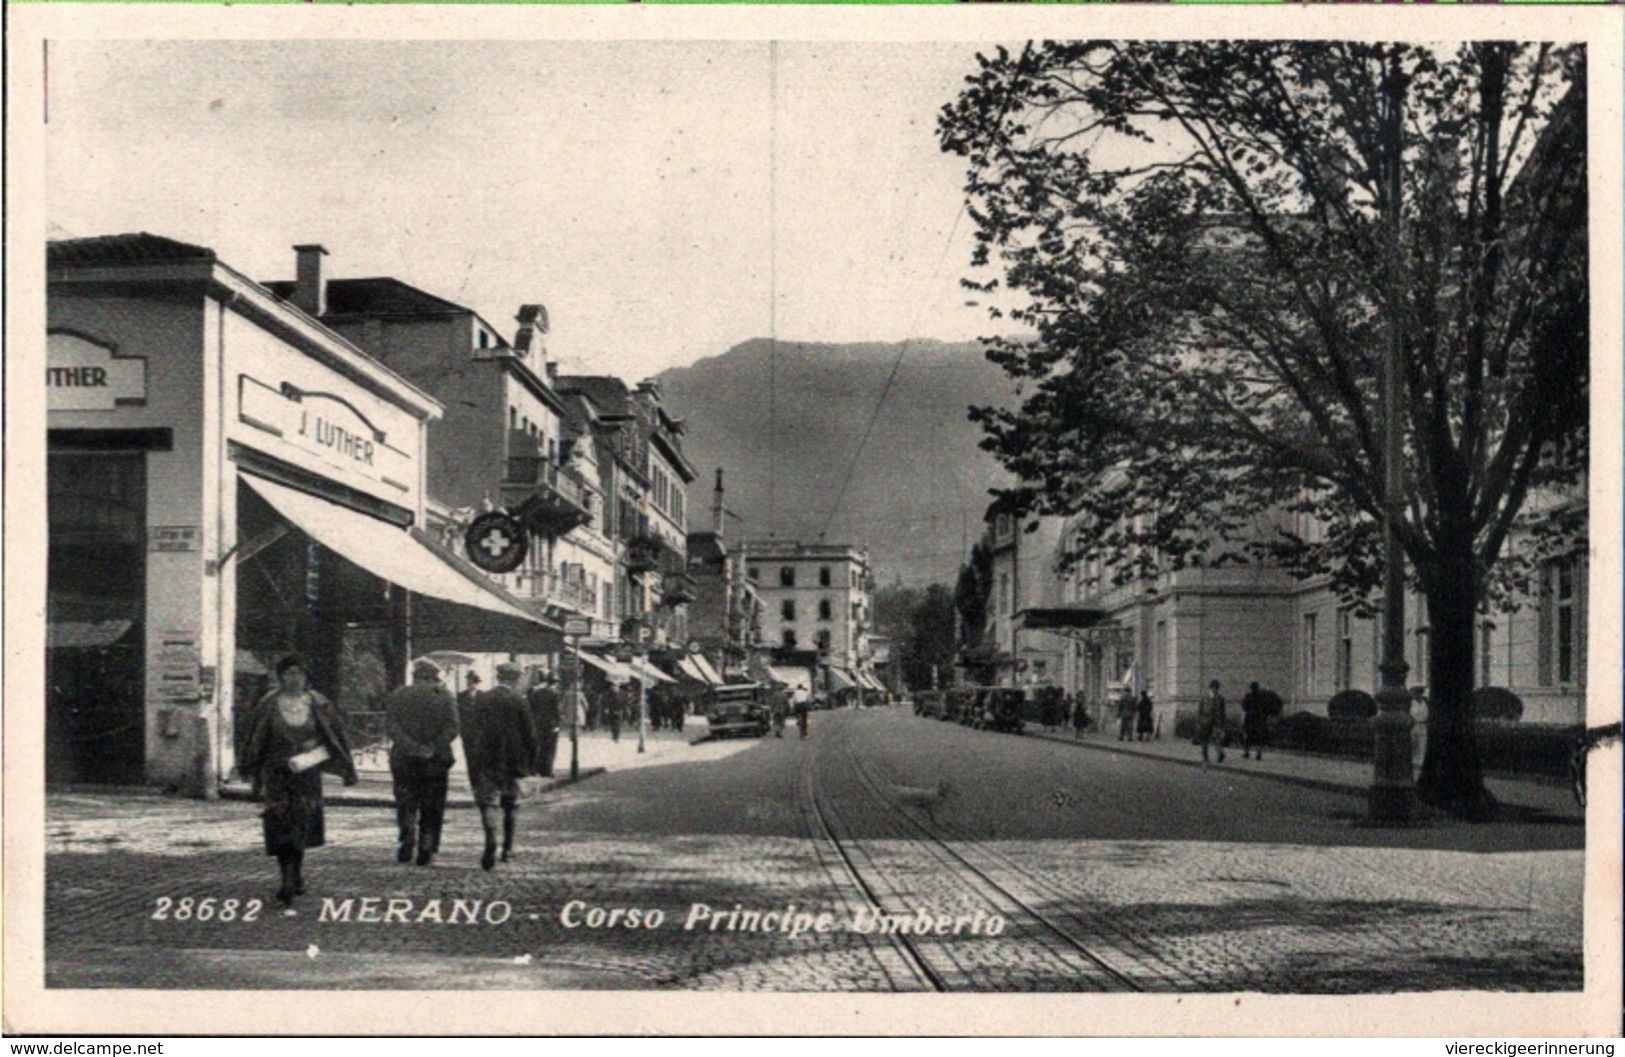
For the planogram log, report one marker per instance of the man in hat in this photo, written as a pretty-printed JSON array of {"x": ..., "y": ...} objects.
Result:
[
  {"x": 499, "y": 741},
  {"x": 543, "y": 700},
  {"x": 421, "y": 720},
  {"x": 471, "y": 687}
]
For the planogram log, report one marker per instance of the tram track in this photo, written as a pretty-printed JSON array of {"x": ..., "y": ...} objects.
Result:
[{"x": 1031, "y": 949}]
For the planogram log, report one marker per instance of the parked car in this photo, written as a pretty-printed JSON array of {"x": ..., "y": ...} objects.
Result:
[
  {"x": 928, "y": 703},
  {"x": 1000, "y": 708},
  {"x": 740, "y": 708}
]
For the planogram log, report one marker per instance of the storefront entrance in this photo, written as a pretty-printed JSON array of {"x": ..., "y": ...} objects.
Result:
[{"x": 95, "y": 716}]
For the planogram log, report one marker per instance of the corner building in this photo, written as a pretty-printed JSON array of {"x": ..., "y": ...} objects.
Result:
[{"x": 228, "y": 481}]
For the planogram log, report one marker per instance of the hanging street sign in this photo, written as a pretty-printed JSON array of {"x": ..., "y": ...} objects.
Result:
[{"x": 495, "y": 542}]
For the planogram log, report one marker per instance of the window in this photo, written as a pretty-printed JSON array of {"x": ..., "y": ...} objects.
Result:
[
  {"x": 788, "y": 638},
  {"x": 824, "y": 639},
  {"x": 513, "y": 418},
  {"x": 1345, "y": 650},
  {"x": 1003, "y": 593},
  {"x": 1561, "y": 647},
  {"x": 787, "y": 609},
  {"x": 1419, "y": 673},
  {"x": 787, "y": 576},
  {"x": 823, "y": 576},
  {"x": 824, "y": 609},
  {"x": 754, "y": 573},
  {"x": 1486, "y": 632},
  {"x": 1311, "y": 651}
]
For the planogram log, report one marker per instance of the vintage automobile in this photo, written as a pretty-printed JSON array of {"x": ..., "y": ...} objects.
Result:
[
  {"x": 999, "y": 708},
  {"x": 928, "y": 703},
  {"x": 740, "y": 708}
]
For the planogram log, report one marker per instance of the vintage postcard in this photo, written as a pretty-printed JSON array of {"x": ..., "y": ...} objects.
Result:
[{"x": 1049, "y": 520}]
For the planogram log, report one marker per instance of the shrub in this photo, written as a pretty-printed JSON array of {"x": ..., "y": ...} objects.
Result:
[
  {"x": 1351, "y": 704},
  {"x": 1497, "y": 702}
]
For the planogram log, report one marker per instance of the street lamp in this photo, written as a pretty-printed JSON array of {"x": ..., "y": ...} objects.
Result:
[{"x": 1393, "y": 790}]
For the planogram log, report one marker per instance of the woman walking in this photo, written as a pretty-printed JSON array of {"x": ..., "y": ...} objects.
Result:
[{"x": 296, "y": 736}]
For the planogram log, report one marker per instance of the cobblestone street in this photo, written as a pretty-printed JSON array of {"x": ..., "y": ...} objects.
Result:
[{"x": 1324, "y": 908}]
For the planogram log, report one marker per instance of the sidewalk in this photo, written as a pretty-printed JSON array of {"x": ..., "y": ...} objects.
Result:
[
  {"x": 1330, "y": 773},
  {"x": 596, "y": 753}
]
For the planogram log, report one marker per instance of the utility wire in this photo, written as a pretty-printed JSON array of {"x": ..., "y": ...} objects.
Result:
[{"x": 885, "y": 390}]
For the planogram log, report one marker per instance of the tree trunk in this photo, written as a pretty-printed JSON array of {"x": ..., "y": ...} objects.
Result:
[{"x": 1452, "y": 777}]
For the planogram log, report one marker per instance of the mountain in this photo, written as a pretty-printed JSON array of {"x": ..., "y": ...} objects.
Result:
[{"x": 786, "y": 422}]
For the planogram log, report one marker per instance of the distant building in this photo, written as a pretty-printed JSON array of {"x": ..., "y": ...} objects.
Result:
[{"x": 817, "y": 601}]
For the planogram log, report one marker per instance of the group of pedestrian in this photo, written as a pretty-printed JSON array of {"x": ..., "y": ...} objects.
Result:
[
  {"x": 1257, "y": 706},
  {"x": 1136, "y": 716},
  {"x": 296, "y": 736}
]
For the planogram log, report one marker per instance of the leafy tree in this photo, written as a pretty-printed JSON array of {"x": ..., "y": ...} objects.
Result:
[
  {"x": 971, "y": 595},
  {"x": 930, "y": 644},
  {"x": 1198, "y": 236}
]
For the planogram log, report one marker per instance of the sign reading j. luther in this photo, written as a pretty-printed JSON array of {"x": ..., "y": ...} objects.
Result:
[{"x": 81, "y": 375}]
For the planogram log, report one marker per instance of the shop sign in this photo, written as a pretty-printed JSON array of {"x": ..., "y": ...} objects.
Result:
[
  {"x": 324, "y": 425},
  {"x": 81, "y": 375},
  {"x": 578, "y": 627},
  {"x": 496, "y": 542},
  {"x": 176, "y": 668},
  {"x": 173, "y": 539}
]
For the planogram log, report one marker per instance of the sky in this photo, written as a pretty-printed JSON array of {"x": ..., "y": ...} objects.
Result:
[{"x": 664, "y": 200}]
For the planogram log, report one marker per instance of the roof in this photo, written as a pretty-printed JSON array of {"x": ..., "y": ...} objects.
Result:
[
  {"x": 137, "y": 247},
  {"x": 607, "y": 393},
  {"x": 375, "y": 297}
]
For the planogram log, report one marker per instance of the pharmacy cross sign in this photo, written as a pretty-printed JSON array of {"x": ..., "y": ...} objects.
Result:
[{"x": 495, "y": 542}]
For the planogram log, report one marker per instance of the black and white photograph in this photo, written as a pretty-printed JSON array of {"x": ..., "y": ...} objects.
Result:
[{"x": 747, "y": 518}]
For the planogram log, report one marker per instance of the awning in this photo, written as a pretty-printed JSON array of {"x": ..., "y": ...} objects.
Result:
[
  {"x": 405, "y": 558},
  {"x": 710, "y": 673},
  {"x": 643, "y": 671},
  {"x": 840, "y": 679},
  {"x": 689, "y": 668},
  {"x": 796, "y": 680},
  {"x": 871, "y": 682},
  {"x": 610, "y": 667}
]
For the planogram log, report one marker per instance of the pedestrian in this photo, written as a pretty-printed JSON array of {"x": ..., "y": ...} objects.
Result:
[
  {"x": 499, "y": 743},
  {"x": 1080, "y": 719},
  {"x": 295, "y": 736},
  {"x": 803, "y": 714},
  {"x": 421, "y": 720},
  {"x": 613, "y": 708},
  {"x": 1255, "y": 721},
  {"x": 543, "y": 700},
  {"x": 471, "y": 688},
  {"x": 1125, "y": 716},
  {"x": 1146, "y": 716},
  {"x": 1210, "y": 722}
]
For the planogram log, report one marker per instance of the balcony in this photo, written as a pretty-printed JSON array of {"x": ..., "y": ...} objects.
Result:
[
  {"x": 556, "y": 591},
  {"x": 550, "y": 501},
  {"x": 680, "y": 588}
]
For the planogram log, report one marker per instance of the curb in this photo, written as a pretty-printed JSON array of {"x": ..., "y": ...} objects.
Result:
[
  {"x": 346, "y": 797},
  {"x": 1322, "y": 784}
]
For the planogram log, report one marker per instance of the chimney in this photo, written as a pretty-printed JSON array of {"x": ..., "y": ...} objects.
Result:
[
  {"x": 716, "y": 507},
  {"x": 309, "y": 292}
]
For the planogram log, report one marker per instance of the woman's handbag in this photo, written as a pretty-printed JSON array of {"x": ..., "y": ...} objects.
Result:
[{"x": 308, "y": 759}]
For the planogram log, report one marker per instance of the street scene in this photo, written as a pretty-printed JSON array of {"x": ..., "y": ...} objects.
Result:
[
  {"x": 1048, "y": 864},
  {"x": 1030, "y": 516}
]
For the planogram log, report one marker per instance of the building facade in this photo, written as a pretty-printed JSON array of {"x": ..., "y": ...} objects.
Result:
[
  {"x": 817, "y": 607},
  {"x": 229, "y": 481}
]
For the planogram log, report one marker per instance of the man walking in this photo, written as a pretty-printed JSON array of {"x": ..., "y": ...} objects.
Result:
[
  {"x": 543, "y": 700},
  {"x": 500, "y": 744},
  {"x": 1210, "y": 722},
  {"x": 1255, "y": 721},
  {"x": 421, "y": 721}
]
